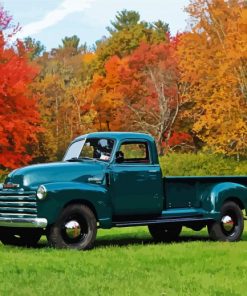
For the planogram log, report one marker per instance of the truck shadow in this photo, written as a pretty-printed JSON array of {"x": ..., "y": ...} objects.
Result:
[
  {"x": 125, "y": 241},
  {"x": 108, "y": 241},
  {"x": 122, "y": 241}
]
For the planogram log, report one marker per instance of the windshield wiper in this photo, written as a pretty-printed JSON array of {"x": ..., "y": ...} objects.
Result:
[
  {"x": 79, "y": 159},
  {"x": 87, "y": 158},
  {"x": 73, "y": 159}
]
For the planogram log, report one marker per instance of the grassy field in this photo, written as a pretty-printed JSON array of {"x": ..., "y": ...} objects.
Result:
[{"x": 126, "y": 262}]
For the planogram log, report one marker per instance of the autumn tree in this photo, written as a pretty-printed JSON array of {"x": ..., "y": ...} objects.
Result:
[
  {"x": 213, "y": 62},
  {"x": 126, "y": 34},
  {"x": 141, "y": 91},
  {"x": 61, "y": 87},
  {"x": 18, "y": 115},
  {"x": 156, "y": 103}
]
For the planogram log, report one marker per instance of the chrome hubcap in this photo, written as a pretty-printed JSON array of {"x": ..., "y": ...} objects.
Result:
[
  {"x": 73, "y": 229},
  {"x": 227, "y": 223}
]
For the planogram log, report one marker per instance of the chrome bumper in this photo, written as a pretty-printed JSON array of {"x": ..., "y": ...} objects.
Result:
[{"x": 23, "y": 222}]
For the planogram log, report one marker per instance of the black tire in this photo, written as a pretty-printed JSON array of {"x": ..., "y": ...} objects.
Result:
[
  {"x": 231, "y": 224},
  {"x": 28, "y": 237},
  {"x": 76, "y": 228},
  {"x": 165, "y": 232}
]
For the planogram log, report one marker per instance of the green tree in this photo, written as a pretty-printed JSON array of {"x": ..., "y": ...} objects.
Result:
[
  {"x": 160, "y": 30},
  {"x": 72, "y": 42},
  {"x": 124, "y": 19},
  {"x": 35, "y": 47}
]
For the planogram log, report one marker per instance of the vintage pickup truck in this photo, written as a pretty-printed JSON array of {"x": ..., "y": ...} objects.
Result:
[{"x": 113, "y": 179}]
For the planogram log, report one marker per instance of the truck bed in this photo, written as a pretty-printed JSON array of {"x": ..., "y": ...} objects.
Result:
[{"x": 184, "y": 192}]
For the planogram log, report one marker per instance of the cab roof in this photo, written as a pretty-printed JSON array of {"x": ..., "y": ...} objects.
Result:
[
  {"x": 116, "y": 135},
  {"x": 119, "y": 136}
]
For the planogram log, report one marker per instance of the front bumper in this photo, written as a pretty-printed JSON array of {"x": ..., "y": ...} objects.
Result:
[{"x": 23, "y": 222}]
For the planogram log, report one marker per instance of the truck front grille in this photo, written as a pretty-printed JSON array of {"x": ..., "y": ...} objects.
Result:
[{"x": 14, "y": 204}]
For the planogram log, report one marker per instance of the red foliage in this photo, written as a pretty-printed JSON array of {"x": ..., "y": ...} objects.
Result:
[
  {"x": 19, "y": 118},
  {"x": 179, "y": 138}
]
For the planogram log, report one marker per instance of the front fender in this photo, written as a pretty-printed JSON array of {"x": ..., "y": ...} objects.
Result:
[
  {"x": 61, "y": 193},
  {"x": 213, "y": 200}
]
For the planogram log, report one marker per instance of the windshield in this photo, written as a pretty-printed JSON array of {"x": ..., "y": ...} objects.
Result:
[{"x": 93, "y": 148}]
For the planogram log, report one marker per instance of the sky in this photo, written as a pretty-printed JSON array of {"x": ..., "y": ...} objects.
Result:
[{"x": 51, "y": 20}]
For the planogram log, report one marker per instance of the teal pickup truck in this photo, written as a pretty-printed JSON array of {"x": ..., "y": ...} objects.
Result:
[{"x": 113, "y": 179}]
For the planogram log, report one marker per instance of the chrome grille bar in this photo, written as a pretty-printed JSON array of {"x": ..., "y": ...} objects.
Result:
[
  {"x": 19, "y": 209},
  {"x": 20, "y": 215},
  {"x": 18, "y": 204},
  {"x": 18, "y": 197}
]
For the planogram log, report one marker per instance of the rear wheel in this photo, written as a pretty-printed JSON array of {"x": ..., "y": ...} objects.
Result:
[
  {"x": 231, "y": 224},
  {"x": 28, "y": 237},
  {"x": 76, "y": 228},
  {"x": 165, "y": 232}
]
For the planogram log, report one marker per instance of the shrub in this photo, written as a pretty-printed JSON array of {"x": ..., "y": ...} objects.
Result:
[{"x": 181, "y": 164}]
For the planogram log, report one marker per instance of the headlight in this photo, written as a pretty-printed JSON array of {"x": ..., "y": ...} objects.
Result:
[{"x": 41, "y": 192}]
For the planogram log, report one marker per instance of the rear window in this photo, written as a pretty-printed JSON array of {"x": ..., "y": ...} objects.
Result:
[{"x": 135, "y": 152}]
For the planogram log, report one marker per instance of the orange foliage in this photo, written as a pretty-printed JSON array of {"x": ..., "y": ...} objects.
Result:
[{"x": 107, "y": 95}]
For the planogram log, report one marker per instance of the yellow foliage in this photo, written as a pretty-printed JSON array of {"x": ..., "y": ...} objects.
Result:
[
  {"x": 213, "y": 63},
  {"x": 88, "y": 57}
]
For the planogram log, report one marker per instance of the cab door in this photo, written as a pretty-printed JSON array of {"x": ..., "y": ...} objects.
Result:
[{"x": 136, "y": 183}]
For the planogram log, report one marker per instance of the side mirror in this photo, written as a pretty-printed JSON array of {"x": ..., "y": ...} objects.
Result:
[{"x": 119, "y": 157}]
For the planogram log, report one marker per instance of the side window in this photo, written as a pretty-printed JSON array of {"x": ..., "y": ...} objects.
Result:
[{"x": 135, "y": 152}]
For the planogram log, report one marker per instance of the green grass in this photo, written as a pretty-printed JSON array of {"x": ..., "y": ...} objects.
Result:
[{"x": 126, "y": 262}]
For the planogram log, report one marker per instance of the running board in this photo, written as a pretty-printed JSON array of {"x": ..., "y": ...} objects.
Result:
[{"x": 160, "y": 221}]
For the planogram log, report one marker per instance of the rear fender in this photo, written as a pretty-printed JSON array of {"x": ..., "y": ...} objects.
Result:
[{"x": 213, "y": 199}]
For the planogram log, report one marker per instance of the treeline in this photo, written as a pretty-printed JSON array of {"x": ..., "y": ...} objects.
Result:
[{"x": 189, "y": 91}]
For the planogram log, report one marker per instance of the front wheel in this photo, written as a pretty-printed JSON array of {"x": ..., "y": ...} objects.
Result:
[
  {"x": 231, "y": 224},
  {"x": 165, "y": 232},
  {"x": 76, "y": 228}
]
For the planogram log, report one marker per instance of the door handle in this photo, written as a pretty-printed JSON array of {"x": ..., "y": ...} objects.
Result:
[
  {"x": 152, "y": 171},
  {"x": 95, "y": 180}
]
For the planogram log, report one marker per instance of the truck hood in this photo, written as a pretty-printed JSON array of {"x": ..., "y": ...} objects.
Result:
[{"x": 30, "y": 177}]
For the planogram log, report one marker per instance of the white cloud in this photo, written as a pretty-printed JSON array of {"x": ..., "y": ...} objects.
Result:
[{"x": 53, "y": 17}]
